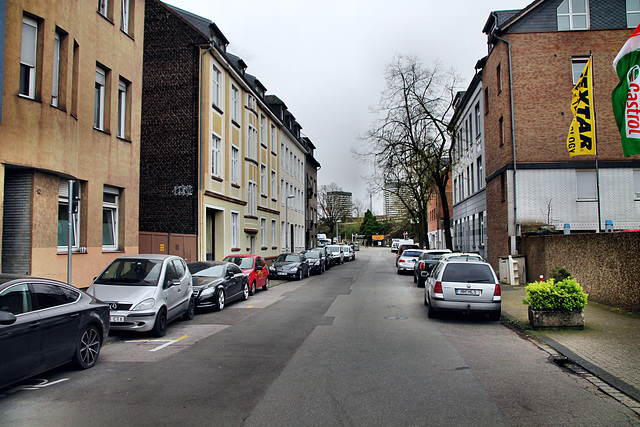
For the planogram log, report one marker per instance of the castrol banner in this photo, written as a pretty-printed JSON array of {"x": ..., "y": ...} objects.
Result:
[
  {"x": 582, "y": 139},
  {"x": 625, "y": 98}
]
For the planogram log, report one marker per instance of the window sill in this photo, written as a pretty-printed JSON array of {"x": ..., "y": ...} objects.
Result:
[
  {"x": 124, "y": 139},
  {"x": 112, "y": 251},
  {"x": 218, "y": 109},
  {"x": 102, "y": 131},
  {"x": 235, "y": 249},
  {"x": 235, "y": 185},
  {"x": 216, "y": 178},
  {"x": 127, "y": 34},
  {"x": 236, "y": 124},
  {"x": 106, "y": 18}
]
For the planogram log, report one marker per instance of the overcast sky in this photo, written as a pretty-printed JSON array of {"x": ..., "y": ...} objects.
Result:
[{"x": 325, "y": 60}]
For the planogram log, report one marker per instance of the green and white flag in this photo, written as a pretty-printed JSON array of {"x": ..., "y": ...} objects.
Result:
[{"x": 626, "y": 95}]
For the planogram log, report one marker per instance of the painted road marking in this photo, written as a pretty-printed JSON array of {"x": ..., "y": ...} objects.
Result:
[{"x": 166, "y": 342}]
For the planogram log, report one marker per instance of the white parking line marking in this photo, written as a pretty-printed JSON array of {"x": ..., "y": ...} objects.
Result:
[{"x": 167, "y": 344}]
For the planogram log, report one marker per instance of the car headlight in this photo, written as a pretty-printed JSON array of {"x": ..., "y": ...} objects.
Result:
[
  {"x": 293, "y": 268},
  {"x": 145, "y": 305},
  {"x": 207, "y": 292}
]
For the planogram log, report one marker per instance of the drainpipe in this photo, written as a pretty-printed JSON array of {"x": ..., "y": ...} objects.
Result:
[
  {"x": 200, "y": 183},
  {"x": 513, "y": 140}
]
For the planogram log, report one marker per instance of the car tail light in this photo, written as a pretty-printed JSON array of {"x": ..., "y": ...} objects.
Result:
[
  {"x": 437, "y": 290},
  {"x": 422, "y": 267},
  {"x": 497, "y": 293}
]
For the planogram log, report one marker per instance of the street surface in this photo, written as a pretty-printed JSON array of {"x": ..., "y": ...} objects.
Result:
[{"x": 351, "y": 347}]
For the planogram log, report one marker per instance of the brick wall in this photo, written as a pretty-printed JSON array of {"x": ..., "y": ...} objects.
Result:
[
  {"x": 170, "y": 140},
  {"x": 605, "y": 264}
]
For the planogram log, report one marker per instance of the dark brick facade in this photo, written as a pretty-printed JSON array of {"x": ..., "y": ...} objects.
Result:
[{"x": 169, "y": 135}]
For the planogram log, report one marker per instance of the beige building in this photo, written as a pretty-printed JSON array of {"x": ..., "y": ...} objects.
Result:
[{"x": 71, "y": 106}]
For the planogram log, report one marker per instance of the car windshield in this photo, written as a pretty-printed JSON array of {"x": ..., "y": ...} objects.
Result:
[
  {"x": 288, "y": 258},
  {"x": 468, "y": 273},
  {"x": 212, "y": 271},
  {"x": 241, "y": 261},
  {"x": 313, "y": 254},
  {"x": 334, "y": 248},
  {"x": 433, "y": 256},
  {"x": 409, "y": 253},
  {"x": 132, "y": 272}
]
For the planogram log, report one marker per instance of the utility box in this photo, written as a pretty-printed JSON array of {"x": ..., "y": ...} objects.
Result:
[{"x": 512, "y": 269}]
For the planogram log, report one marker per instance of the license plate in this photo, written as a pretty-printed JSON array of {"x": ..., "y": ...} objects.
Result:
[
  {"x": 116, "y": 319},
  {"x": 281, "y": 273},
  {"x": 474, "y": 292}
]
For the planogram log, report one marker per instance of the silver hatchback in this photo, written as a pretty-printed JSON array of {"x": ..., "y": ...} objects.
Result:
[{"x": 463, "y": 286}]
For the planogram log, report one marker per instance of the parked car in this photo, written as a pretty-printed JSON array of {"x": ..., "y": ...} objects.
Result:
[
  {"x": 403, "y": 247},
  {"x": 407, "y": 259},
  {"x": 423, "y": 266},
  {"x": 349, "y": 253},
  {"x": 328, "y": 256},
  {"x": 291, "y": 265},
  {"x": 316, "y": 261},
  {"x": 45, "y": 324},
  {"x": 145, "y": 292},
  {"x": 216, "y": 283},
  {"x": 337, "y": 252},
  {"x": 461, "y": 256},
  {"x": 464, "y": 286},
  {"x": 255, "y": 267}
]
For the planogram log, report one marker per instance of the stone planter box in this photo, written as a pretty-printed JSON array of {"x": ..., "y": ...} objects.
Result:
[{"x": 556, "y": 318}]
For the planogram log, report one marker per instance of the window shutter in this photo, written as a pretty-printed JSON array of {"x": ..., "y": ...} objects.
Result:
[{"x": 29, "y": 37}]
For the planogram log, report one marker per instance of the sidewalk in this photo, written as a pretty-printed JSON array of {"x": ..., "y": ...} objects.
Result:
[{"x": 608, "y": 346}]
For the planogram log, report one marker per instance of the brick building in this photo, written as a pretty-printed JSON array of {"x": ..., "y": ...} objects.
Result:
[
  {"x": 70, "y": 110},
  {"x": 535, "y": 56}
]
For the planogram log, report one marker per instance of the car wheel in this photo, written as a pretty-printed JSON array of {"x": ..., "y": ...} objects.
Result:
[
  {"x": 160, "y": 325},
  {"x": 398, "y": 271},
  {"x": 191, "y": 310},
  {"x": 220, "y": 300},
  {"x": 494, "y": 315},
  {"x": 299, "y": 276},
  {"x": 265, "y": 287},
  {"x": 245, "y": 292},
  {"x": 426, "y": 303},
  {"x": 309, "y": 272},
  {"x": 322, "y": 269},
  {"x": 252, "y": 290},
  {"x": 88, "y": 349},
  {"x": 431, "y": 312}
]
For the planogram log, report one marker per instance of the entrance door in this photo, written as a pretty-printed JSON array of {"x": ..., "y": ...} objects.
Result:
[{"x": 211, "y": 235}]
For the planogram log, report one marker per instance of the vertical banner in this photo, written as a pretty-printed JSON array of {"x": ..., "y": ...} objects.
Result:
[
  {"x": 581, "y": 139},
  {"x": 625, "y": 97}
]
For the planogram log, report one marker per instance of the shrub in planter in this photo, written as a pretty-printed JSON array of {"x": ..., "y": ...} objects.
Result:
[{"x": 554, "y": 303}]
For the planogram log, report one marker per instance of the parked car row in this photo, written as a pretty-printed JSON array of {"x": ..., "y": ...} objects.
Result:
[
  {"x": 312, "y": 261},
  {"x": 453, "y": 281},
  {"x": 45, "y": 323}
]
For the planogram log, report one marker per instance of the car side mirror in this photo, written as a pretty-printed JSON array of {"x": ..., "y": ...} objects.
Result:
[
  {"x": 7, "y": 318},
  {"x": 258, "y": 268},
  {"x": 230, "y": 274},
  {"x": 172, "y": 283}
]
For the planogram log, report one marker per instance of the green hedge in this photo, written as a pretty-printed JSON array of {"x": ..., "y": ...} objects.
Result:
[{"x": 566, "y": 294}]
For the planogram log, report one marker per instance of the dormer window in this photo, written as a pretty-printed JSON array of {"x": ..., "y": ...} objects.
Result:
[{"x": 572, "y": 15}]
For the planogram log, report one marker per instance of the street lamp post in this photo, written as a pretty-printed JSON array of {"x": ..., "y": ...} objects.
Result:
[
  {"x": 286, "y": 221},
  {"x": 337, "y": 235}
]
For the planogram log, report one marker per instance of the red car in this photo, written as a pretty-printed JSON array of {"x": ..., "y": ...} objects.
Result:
[{"x": 253, "y": 266}]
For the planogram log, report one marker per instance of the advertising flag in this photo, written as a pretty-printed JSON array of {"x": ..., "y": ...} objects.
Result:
[
  {"x": 624, "y": 98},
  {"x": 581, "y": 139}
]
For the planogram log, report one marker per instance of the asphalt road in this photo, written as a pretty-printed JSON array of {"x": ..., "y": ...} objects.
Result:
[{"x": 351, "y": 347}]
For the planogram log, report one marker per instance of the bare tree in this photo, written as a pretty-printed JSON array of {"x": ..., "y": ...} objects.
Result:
[
  {"x": 329, "y": 208},
  {"x": 409, "y": 143}
]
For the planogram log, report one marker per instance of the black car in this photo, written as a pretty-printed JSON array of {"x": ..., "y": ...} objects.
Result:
[
  {"x": 215, "y": 283},
  {"x": 423, "y": 266},
  {"x": 317, "y": 261},
  {"x": 44, "y": 324},
  {"x": 290, "y": 266},
  {"x": 328, "y": 256}
]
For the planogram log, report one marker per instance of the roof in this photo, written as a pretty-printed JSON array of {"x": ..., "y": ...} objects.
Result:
[{"x": 205, "y": 26}]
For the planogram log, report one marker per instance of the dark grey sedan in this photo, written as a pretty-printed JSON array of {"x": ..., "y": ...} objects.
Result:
[
  {"x": 290, "y": 266},
  {"x": 45, "y": 324},
  {"x": 216, "y": 283}
]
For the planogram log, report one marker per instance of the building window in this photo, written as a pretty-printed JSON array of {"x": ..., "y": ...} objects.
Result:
[
  {"x": 252, "y": 198},
  {"x": 263, "y": 130},
  {"x": 63, "y": 219},
  {"x": 273, "y": 232},
  {"x": 577, "y": 67},
  {"x": 102, "y": 7},
  {"x": 252, "y": 142},
  {"x": 234, "y": 165},
  {"x": 234, "y": 229},
  {"x": 486, "y": 100},
  {"x": 55, "y": 86},
  {"x": 235, "y": 105},
  {"x": 586, "y": 185},
  {"x": 274, "y": 142},
  {"x": 124, "y": 16},
  {"x": 263, "y": 232},
  {"x": 501, "y": 130},
  {"x": 477, "y": 111},
  {"x": 215, "y": 155},
  {"x": 28, "y": 56},
  {"x": 499, "y": 77},
  {"x": 469, "y": 185},
  {"x": 215, "y": 87},
  {"x": 481, "y": 228},
  {"x": 99, "y": 108},
  {"x": 572, "y": 15},
  {"x": 633, "y": 13},
  {"x": 472, "y": 177},
  {"x": 110, "y": 202},
  {"x": 479, "y": 171},
  {"x": 263, "y": 180},
  {"x": 123, "y": 110},
  {"x": 455, "y": 190},
  {"x": 274, "y": 180}
]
